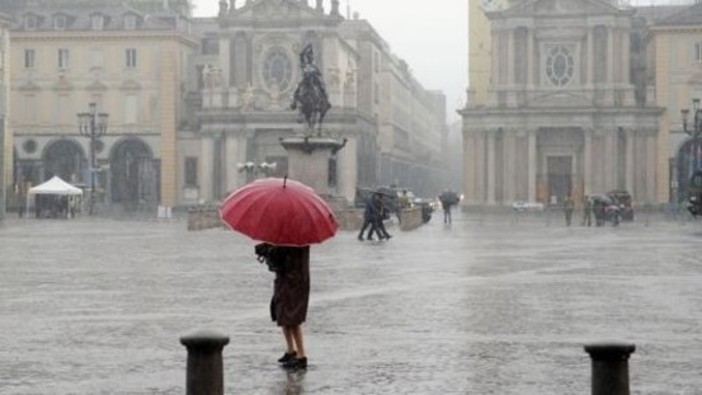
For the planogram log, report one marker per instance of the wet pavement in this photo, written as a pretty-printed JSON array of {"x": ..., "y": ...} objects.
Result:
[{"x": 488, "y": 305}]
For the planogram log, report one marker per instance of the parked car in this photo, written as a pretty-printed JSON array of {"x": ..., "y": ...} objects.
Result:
[{"x": 527, "y": 207}]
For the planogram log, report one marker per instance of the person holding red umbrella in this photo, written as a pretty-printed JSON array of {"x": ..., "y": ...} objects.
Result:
[{"x": 288, "y": 217}]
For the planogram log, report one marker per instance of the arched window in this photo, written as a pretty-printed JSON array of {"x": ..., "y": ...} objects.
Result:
[{"x": 689, "y": 161}]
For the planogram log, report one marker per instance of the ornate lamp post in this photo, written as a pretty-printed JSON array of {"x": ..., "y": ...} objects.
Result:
[
  {"x": 696, "y": 129},
  {"x": 93, "y": 125}
]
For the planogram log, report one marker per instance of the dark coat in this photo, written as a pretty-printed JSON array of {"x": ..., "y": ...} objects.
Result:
[{"x": 291, "y": 289}]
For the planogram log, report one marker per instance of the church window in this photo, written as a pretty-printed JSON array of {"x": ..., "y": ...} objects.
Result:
[
  {"x": 29, "y": 56},
  {"x": 560, "y": 65},
  {"x": 60, "y": 22},
  {"x": 131, "y": 58},
  {"x": 30, "y": 22},
  {"x": 130, "y": 22},
  {"x": 698, "y": 52},
  {"x": 63, "y": 58},
  {"x": 98, "y": 21},
  {"x": 277, "y": 71}
]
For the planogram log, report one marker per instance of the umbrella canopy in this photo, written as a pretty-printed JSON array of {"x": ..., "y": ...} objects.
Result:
[{"x": 280, "y": 212}]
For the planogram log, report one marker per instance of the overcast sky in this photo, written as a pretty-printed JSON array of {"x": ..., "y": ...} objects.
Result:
[{"x": 430, "y": 35}]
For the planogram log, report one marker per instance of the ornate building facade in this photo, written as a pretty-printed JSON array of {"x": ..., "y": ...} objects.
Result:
[
  {"x": 5, "y": 134},
  {"x": 563, "y": 114},
  {"x": 67, "y": 54},
  {"x": 676, "y": 37},
  {"x": 247, "y": 72},
  {"x": 197, "y": 107}
]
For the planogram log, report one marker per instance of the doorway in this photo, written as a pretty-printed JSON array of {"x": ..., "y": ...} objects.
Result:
[{"x": 560, "y": 177}]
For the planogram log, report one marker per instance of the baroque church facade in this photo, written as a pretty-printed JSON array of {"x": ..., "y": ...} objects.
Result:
[
  {"x": 567, "y": 110},
  {"x": 246, "y": 91}
]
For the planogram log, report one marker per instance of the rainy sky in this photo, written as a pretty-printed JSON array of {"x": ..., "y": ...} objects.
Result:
[{"x": 430, "y": 36}]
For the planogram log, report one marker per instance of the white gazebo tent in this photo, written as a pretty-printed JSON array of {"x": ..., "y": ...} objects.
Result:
[{"x": 55, "y": 186}]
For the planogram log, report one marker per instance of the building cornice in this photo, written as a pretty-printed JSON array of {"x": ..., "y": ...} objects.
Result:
[{"x": 95, "y": 35}]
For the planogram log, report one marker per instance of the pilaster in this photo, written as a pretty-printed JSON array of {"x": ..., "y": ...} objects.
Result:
[{"x": 533, "y": 164}]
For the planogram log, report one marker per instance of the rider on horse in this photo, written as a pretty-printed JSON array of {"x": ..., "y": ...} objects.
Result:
[{"x": 311, "y": 94}]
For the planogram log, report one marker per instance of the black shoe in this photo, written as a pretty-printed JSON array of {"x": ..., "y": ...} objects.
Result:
[
  {"x": 296, "y": 363},
  {"x": 388, "y": 237},
  {"x": 287, "y": 357},
  {"x": 360, "y": 238}
]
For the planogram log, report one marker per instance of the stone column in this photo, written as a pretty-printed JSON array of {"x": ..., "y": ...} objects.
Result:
[
  {"x": 610, "y": 160},
  {"x": 509, "y": 179},
  {"x": 232, "y": 160},
  {"x": 491, "y": 168},
  {"x": 347, "y": 168},
  {"x": 610, "y": 55},
  {"x": 651, "y": 156},
  {"x": 480, "y": 167},
  {"x": 587, "y": 162},
  {"x": 469, "y": 168},
  {"x": 533, "y": 165},
  {"x": 207, "y": 168},
  {"x": 530, "y": 58},
  {"x": 590, "y": 57},
  {"x": 630, "y": 160},
  {"x": 3, "y": 179}
]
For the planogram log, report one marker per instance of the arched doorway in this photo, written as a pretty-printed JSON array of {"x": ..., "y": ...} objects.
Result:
[
  {"x": 65, "y": 159},
  {"x": 134, "y": 175},
  {"x": 689, "y": 160}
]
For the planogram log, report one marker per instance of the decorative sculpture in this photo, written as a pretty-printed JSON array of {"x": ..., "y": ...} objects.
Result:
[{"x": 310, "y": 97}]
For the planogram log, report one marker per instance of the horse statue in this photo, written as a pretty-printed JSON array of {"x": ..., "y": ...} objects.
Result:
[{"x": 310, "y": 97}]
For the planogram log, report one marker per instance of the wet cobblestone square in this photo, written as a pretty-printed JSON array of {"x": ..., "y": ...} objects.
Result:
[{"x": 485, "y": 306}]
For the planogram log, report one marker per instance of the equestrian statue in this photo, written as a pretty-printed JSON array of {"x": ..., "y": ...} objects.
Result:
[{"x": 310, "y": 97}]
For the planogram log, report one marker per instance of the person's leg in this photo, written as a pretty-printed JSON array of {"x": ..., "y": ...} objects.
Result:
[
  {"x": 289, "y": 340},
  {"x": 299, "y": 341},
  {"x": 366, "y": 222}
]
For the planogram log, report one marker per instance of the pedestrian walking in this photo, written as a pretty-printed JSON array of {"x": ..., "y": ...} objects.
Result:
[
  {"x": 587, "y": 212},
  {"x": 291, "y": 294},
  {"x": 568, "y": 208},
  {"x": 448, "y": 198},
  {"x": 381, "y": 213},
  {"x": 370, "y": 215}
]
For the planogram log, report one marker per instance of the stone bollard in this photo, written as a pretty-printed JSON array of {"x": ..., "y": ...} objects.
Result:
[
  {"x": 610, "y": 367},
  {"x": 205, "y": 370}
]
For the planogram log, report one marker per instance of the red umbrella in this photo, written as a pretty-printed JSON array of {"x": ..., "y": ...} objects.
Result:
[{"x": 279, "y": 211}]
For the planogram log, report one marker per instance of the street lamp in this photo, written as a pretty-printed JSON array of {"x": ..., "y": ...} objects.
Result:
[
  {"x": 93, "y": 125},
  {"x": 696, "y": 129}
]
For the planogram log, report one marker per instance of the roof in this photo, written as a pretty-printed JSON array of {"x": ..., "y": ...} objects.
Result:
[
  {"x": 80, "y": 18},
  {"x": 655, "y": 14},
  {"x": 691, "y": 15},
  {"x": 55, "y": 186}
]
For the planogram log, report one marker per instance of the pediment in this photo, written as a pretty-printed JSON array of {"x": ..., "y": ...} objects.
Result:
[
  {"x": 275, "y": 9},
  {"x": 62, "y": 84},
  {"x": 130, "y": 85},
  {"x": 96, "y": 86},
  {"x": 29, "y": 86},
  {"x": 562, "y": 7}
]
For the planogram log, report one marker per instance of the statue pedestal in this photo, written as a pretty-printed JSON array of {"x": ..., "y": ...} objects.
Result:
[{"x": 308, "y": 160}]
